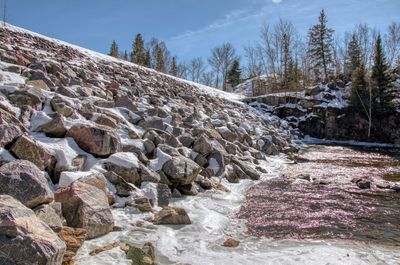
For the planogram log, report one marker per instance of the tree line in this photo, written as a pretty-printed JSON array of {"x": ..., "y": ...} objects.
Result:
[{"x": 290, "y": 60}]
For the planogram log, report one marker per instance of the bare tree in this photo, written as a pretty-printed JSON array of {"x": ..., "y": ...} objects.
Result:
[
  {"x": 392, "y": 41},
  {"x": 196, "y": 68},
  {"x": 207, "y": 78},
  {"x": 221, "y": 59},
  {"x": 253, "y": 67},
  {"x": 4, "y": 12},
  {"x": 182, "y": 70}
]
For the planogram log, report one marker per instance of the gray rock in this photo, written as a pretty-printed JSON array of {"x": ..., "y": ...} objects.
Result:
[
  {"x": 163, "y": 195},
  {"x": 62, "y": 106},
  {"x": 186, "y": 140},
  {"x": 24, "y": 238},
  {"x": 249, "y": 171},
  {"x": 51, "y": 214},
  {"x": 66, "y": 92},
  {"x": 181, "y": 170},
  {"x": 152, "y": 123},
  {"x": 25, "y": 182},
  {"x": 202, "y": 145}
]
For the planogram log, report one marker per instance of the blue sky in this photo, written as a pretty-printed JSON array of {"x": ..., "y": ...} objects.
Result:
[{"x": 189, "y": 27}]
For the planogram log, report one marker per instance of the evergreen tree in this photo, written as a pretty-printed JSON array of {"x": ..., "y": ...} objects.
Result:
[
  {"x": 147, "y": 59},
  {"x": 114, "y": 50},
  {"x": 359, "y": 94},
  {"x": 138, "y": 52},
  {"x": 125, "y": 56},
  {"x": 353, "y": 58},
  {"x": 320, "y": 45},
  {"x": 233, "y": 76},
  {"x": 174, "y": 68},
  {"x": 382, "y": 81},
  {"x": 160, "y": 64}
]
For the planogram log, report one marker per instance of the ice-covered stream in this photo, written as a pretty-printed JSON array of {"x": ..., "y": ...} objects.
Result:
[{"x": 213, "y": 221}]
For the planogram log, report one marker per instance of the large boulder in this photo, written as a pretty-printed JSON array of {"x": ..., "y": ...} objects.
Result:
[
  {"x": 181, "y": 170},
  {"x": 172, "y": 216},
  {"x": 24, "y": 238},
  {"x": 28, "y": 149},
  {"x": 55, "y": 128},
  {"x": 25, "y": 182},
  {"x": 62, "y": 106},
  {"x": 86, "y": 206},
  {"x": 128, "y": 166},
  {"x": 202, "y": 145},
  {"x": 98, "y": 141}
]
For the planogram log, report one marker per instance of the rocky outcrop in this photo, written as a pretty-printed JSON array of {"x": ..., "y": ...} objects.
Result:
[
  {"x": 86, "y": 206},
  {"x": 25, "y": 182},
  {"x": 24, "y": 239}
]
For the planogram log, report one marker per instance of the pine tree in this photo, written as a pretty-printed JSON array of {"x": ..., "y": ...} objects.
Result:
[
  {"x": 114, "y": 50},
  {"x": 320, "y": 45},
  {"x": 382, "y": 81},
  {"x": 125, "y": 56},
  {"x": 359, "y": 95},
  {"x": 233, "y": 76},
  {"x": 159, "y": 60},
  {"x": 174, "y": 68},
  {"x": 353, "y": 58},
  {"x": 147, "y": 59},
  {"x": 138, "y": 52}
]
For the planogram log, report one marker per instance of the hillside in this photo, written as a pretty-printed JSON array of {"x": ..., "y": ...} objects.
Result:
[{"x": 90, "y": 143}]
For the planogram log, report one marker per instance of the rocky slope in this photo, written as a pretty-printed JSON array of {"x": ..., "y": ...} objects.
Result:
[{"x": 82, "y": 133}]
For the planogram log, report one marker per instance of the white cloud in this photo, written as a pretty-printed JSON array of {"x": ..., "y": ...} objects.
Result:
[{"x": 276, "y": 1}]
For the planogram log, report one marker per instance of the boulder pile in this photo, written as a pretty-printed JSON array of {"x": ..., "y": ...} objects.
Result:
[{"x": 81, "y": 133}]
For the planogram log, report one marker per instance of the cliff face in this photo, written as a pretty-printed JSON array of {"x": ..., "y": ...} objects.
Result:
[{"x": 322, "y": 112}]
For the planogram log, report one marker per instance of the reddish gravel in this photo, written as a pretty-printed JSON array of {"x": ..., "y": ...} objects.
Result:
[{"x": 316, "y": 198}]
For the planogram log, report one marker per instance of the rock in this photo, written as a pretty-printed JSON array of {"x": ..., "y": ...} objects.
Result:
[
  {"x": 249, "y": 171},
  {"x": 87, "y": 109},
  {"x": 84, "y": 91},
  {"x": 85, "y": 206},
  {"x": 51, "y": 214},
  {"x": 227, "y": 134},
  {"x": 8, "y": 133},
  {"x": 163, "y": 195},
  {"x": 186, "y": 140},
  {"x": 32, "y": 97},
  {"x": 363, "y": 184},
  {"x": 106, "y": 121},
  {"x": 78, "y": 163},
  {"x": 142, "y": 203},
  {"x": 172, "y": 216},
  {"x": 96, "y": 180},
  {"x": 73, "y": 239},
  {"x": 130, "y": 168},
  {"x": 128, "y": 103},
  {"x": 141, "y": 256},
  {"x": 269, "y": 147},
  {"x": 176, "y": 193},
  {"x": 65, "y": 91},
  {"x": 25, "y": 182},
  {"x": 123, "y": 188},
  {"x": 204, "y": 182},
  {"x": 24, "y": 239},
  {"x": 97, "y": 141},
  {"x": 28, "y": 149},
  {"x": 38, "y": 75},
  {"x": 230, "y": 242},
  {"x": 202, "y": 145},
  {"x": 62, "y": 106},
  {"x": 189, "y": 189},
  {"x": 181, "y": 170},
  {"x": 55, "y": 128},
  {"x": 105, "y": 248},
  {"x": 152, "y": 123},
  {"x": 38, "y": 83}
]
